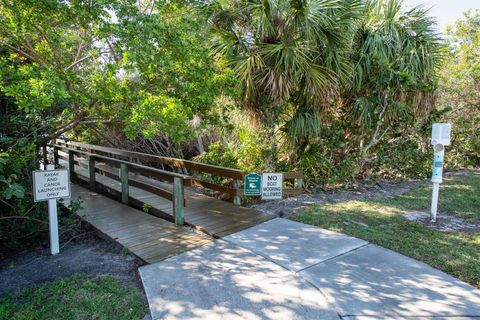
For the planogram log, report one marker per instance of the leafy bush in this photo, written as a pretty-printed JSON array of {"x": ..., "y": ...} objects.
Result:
[
  {"x": 21, "y": 220},
  {"x": 220, "y": 155},
  {"x": 465, "y": 148},
  {"x": 325, "y": 166},
  {"x": 404, "y": 156},
  {"x": 243, "y": 149},
  {"x": 460, "y": 90}
]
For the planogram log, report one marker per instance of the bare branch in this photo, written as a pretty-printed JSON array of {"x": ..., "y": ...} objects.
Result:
[
  {"x": 80, "y": 46},
  {"x": 96, "y": 121},
  {"x": 22, "y": 53},
  {"x": 83, "y": 59},
  {"x": 22, "y": 217},
  {"x": 72, "y": 124},
  {"x": 376, "y": 137},
  {"x": 113, "y": 51}
]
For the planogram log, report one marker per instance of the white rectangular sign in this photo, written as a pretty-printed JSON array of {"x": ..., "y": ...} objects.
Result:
[
  {"x": 272, "y": 186},
  {"x": 50, "y": 184}
]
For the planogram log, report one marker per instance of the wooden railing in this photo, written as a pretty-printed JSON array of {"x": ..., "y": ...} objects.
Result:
[
  {"x": 108, "y": 167},
  {"x": 233, "y": 188}
]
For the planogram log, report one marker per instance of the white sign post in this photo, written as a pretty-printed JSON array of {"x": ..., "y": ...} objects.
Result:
[
  {"x": 50, "y": 185},
  {"x": 272, "y": 186},
  {"x": 440, "y": 139}
]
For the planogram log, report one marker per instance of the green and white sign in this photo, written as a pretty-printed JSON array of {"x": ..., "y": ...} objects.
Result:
[{"x": 253, "y": 184}]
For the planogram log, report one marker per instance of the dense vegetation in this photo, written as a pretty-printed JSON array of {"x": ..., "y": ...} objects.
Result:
[{"x": 343, "y": 90}]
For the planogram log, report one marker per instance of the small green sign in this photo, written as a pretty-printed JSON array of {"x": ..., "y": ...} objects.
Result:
[{"x": 253, "y": 184}]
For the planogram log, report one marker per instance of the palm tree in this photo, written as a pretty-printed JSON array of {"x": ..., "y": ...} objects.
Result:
[
  {"x": 396, "y": 58},
  {"x": 289, "y": 55}
]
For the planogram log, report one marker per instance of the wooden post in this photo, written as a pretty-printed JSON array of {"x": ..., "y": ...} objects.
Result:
[
  {"x": 236, "y": 199},
  {"x": 298, "y": 184},
  {"x": 71, "y": 164},
  {"x": 178, "y": 201},
  {"x": 124, "y": 180},
  {"x": 91, "y": 171},
  {"x": 55, "y": 156},
  {"x": 209, "y": 178},
  {"x": 194, "y": 173}
]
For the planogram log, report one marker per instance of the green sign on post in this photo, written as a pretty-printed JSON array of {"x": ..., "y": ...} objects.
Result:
[{"x": 253, "y": 184}]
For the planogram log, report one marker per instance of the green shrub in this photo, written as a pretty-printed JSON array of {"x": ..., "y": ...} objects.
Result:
[
  {"x": 465, "y": 148},
  {"x": 246, "y": 151},
  {"x": 22, "y": 220},
  {"x": 220, "y": 155},
  {"x": 403, "y": 157}
]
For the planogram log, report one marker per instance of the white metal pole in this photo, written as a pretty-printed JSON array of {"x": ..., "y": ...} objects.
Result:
[
  {"x": 436, "y": 188},
  {"x": 53, "y": 221}
]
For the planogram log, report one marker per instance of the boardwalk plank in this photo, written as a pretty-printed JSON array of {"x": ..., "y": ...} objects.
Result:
[{"x": 135, "y": 230}]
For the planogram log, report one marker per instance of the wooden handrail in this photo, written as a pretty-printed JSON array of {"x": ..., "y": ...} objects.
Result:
[
  {"x": 179, "y": 180},
  {"x": 174, "y": 162},
  {"x": 131, "y": 164},
  {"x": 237, "y": 175}
]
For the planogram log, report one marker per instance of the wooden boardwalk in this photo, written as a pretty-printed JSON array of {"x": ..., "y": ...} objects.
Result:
[
  {"x": 150, "y": 238},
  {"x": 213, "y": 216}
]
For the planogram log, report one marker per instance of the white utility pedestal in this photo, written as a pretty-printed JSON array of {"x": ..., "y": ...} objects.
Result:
[{"x": 440, "y": 139}]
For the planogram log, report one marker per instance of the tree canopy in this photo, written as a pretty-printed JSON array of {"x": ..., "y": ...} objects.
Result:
[
  {"x": 112, "y": 61},
  {"x": 460, "y": 87},
  {"x": 396, "y": 57},
  {"x": 289, "y": 56}
]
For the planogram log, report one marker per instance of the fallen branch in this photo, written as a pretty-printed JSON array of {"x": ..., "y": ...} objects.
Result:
[
  {"x": 22, "y": 217},
  {"x": 74, "y": 237}
]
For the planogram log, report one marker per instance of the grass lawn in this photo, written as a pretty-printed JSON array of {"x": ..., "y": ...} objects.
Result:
[
  {"x": 75, "y": 297},
  {"x": 379, "y": 221}
]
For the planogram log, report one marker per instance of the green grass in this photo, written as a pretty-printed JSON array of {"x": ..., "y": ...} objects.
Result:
[
  {"x": 457, "y": 253},
  {"x": 75, "y": 297}
]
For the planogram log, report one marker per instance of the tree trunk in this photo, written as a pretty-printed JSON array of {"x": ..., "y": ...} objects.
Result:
[
  {"x": 270, "y": 160},
  {"x": 201, "y": 149}
]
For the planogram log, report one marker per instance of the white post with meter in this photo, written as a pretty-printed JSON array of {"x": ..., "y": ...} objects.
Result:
[{"x": 440, "y": 139}]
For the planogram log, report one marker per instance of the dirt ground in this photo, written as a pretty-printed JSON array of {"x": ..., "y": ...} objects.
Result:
[
  {"x": 381, "y": 189},
  {"x": 88, "y": 254},
  {"x": 288, "y": 206},
  {"x": 446, "y": 222}
]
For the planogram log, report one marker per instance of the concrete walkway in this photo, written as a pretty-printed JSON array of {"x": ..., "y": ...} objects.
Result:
[{"x": 283, "y": 269}]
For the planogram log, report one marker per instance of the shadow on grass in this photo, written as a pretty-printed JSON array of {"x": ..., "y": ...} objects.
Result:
[
  {"x": 380, "y": 221},
  {"x": 75, "y": 297}
]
